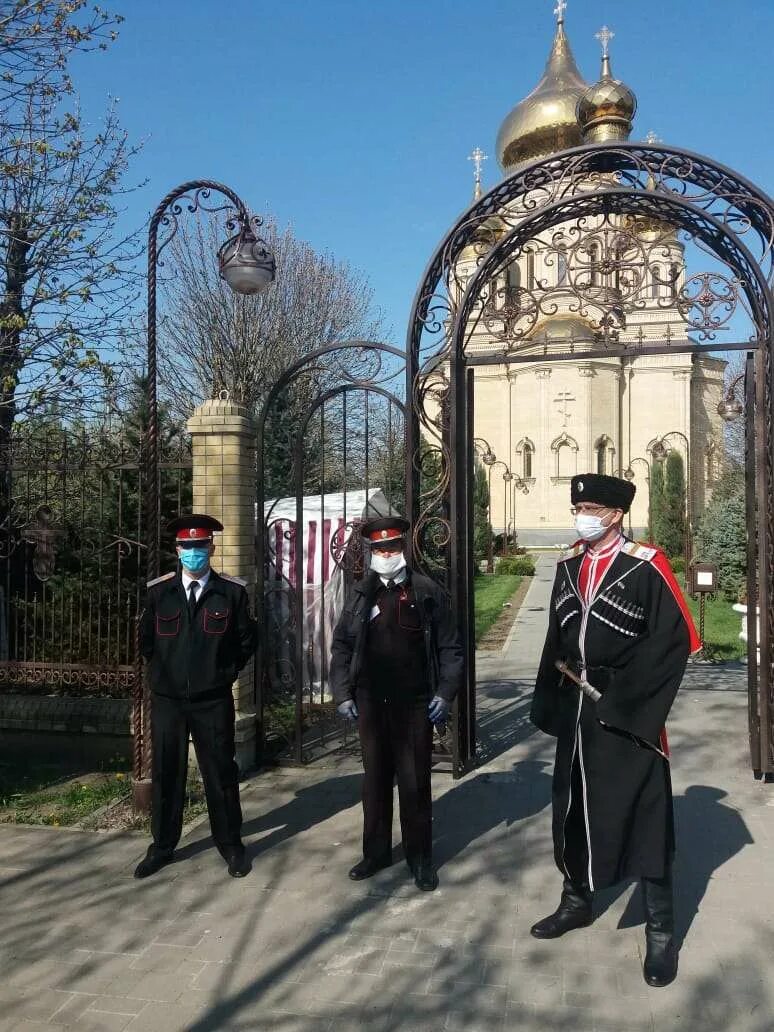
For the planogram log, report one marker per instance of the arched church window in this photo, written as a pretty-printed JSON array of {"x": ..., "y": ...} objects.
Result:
[
  {"x": 512, "y": 280},
  {"x": 674, "y": 278},
  {"x": 529, "y": 452},
  {"x": 655, "y": 281},
  {"x": 560, "y": 258},
  {"x": 594, "y": 259},
  {"x": 530, "y": 270},
  {"x": 565, "y": 464}
]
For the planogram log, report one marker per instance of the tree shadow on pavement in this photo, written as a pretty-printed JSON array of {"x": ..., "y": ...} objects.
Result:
[
  {"x": 709, "y": 833},
  {"x": 503, "y": 717},
  {"x": 485, "y": 801}
]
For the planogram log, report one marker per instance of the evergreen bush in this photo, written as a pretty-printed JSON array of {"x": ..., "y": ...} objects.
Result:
[{"x": 520, "y": 565}]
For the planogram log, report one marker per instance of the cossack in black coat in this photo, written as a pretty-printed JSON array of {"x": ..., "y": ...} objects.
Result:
[
  {"x": 199, "y": 660},
  {"x": 612, "y": 803}
]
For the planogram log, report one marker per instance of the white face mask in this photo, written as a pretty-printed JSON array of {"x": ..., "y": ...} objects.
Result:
[
  {"x": 590, "y": 528},
  {"x": 388, "y": 566}
]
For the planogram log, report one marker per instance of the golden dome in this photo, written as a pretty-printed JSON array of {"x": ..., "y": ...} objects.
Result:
[
  {"x": 606, "y": 110},
  {"x": 564, "y": 328},
  {"x": 546, "y": 120}
]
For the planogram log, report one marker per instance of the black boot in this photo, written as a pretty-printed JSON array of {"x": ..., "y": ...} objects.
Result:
[
  {"x": 660, "y": 966},
  {"x": 236, "y": 860},
  {"x": 574, "y": 911}
]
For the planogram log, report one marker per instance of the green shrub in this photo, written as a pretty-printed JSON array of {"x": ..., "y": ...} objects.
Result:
[
  {"x": 678, "y": 564},
  {"x": 519, "y": 565}
]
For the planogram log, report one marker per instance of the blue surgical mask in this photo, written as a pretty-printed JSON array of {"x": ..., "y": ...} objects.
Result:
[{"x": 195, "y": 559}]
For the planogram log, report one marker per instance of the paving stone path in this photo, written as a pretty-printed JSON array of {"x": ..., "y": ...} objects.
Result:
[{"x": 296, "y": 947}]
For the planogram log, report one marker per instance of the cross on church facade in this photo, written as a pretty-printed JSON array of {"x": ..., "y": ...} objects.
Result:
[{"x": 563, "y": 399}]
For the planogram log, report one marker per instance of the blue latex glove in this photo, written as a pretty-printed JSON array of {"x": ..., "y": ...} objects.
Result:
[
  {"x": 438, "y": 710},
  {"x": 347, "y": 709}
]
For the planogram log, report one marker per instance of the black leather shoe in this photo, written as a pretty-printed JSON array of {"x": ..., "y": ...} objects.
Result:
[
  {"x": 661, "y": 955},
  {"x": 574, "y": 911},
  {"x": 237, "y": 860},
  {"x": 153, "y": 861},
  {"x": 660, "y": 967},
  {"x": 425, "y": 877},
  {"x": 368, "y": 866}
]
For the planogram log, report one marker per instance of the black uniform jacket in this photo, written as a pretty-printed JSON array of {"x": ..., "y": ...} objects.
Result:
[
  {"x": 442, "y": 645},
  {"x": 197, "y": 659},
  {"x": 612, "y": 803}
]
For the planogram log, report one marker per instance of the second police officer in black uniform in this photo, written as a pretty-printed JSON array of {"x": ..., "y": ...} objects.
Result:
[
  {"x": 196, "y": 634},
  {"x": 396, "y": 667}
]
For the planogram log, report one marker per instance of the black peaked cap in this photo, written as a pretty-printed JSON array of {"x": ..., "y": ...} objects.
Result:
[{"x": 194, "y": 521}]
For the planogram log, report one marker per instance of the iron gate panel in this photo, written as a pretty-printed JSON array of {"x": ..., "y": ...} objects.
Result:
[
  {"x": 628, "y": 197},
  {"x": 330, "y": 454},
  {"x": 72, "y": 555}
]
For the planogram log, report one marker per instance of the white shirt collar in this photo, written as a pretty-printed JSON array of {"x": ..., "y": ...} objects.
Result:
[
  {"x": 397, "y": 579},
  {"x": 201, "y": 581}
]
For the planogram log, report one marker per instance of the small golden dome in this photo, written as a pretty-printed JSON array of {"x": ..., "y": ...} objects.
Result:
[
  {"x": 546, "y": 121},
  {"x": 564, "y": 328},
  {"x": 606, "y": 110}
]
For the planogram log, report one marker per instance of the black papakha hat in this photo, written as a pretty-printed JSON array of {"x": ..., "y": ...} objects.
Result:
[
  {"x": 197, "y": 527},
  {"x": 602, "y": 490},
  {"x": 386, "y": 530}
]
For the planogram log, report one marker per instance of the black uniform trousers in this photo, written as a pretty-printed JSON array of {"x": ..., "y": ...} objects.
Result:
[
  {"x": 210, "y": 724},
  {"x": 396, "y": 737}
]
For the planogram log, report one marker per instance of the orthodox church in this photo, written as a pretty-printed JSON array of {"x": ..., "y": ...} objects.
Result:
[{"x": 538, "y": 423}]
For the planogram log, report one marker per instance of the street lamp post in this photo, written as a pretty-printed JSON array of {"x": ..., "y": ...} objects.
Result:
[
  {"x": 629, "y": 474},
  {"x": 247, "y": 265},
  {"x": 660, "y": 452}
]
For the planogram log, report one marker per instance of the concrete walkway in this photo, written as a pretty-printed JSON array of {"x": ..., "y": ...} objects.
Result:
[{"x": 296, "y": 947}]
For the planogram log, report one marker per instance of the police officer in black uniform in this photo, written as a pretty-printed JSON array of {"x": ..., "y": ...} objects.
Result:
[
  {"x": 196, "y": 634},
  {"x": 396, "y": 667}
]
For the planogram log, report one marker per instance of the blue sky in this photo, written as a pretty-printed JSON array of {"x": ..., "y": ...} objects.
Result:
[{"x": 352, "y": 119}]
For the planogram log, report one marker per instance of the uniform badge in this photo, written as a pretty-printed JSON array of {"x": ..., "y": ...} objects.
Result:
[
  {"x": 580, "y": 485},
  {"x": 384, "y": 534}
]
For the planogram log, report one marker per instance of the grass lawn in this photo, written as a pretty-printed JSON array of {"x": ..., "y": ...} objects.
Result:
[
  {"x": 44, "y": 795},
  {"x": 491, "y": 592},
  {"x": 721, "y": 629}
]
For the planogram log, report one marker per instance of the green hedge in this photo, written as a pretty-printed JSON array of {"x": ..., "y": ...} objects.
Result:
[{"x": 518, "y": 565}]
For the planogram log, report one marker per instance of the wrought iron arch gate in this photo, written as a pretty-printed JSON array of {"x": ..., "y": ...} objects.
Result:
[
  {"x": 618, "y": 208},
  {"x": 330, "y": 454}
]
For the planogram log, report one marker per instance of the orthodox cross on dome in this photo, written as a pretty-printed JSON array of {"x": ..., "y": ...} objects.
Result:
[
  {"x": 605, "y": 36},
  {"x": 653, "y": 138},
  {"x": 563, "y": 399},
  {"x": 561, "y": 7},
  {"x": 478, "y": 158}
]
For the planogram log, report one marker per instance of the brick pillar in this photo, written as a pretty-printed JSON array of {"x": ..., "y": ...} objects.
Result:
[{"x": 224, "y": 441}]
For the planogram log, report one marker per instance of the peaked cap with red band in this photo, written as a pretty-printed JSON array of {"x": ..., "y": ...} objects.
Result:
[
  {"x": 193, "y": 529},
  {"x": 386, "y": 530}
]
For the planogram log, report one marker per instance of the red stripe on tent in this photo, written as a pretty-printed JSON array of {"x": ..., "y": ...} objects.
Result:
[
  {"x": 292, "y": 565},
  {"x": 326, "y": 554},
  {"x": 278, "y": 549},
  {"x": 311, "y": 549}
]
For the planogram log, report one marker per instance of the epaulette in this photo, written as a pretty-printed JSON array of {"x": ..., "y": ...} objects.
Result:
[
  {"x": 234, "y": 580},
  {"x": 577, "y": 549},
  {"x": 637, "y": 550},
  {"x": 158, "y": 580}
]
